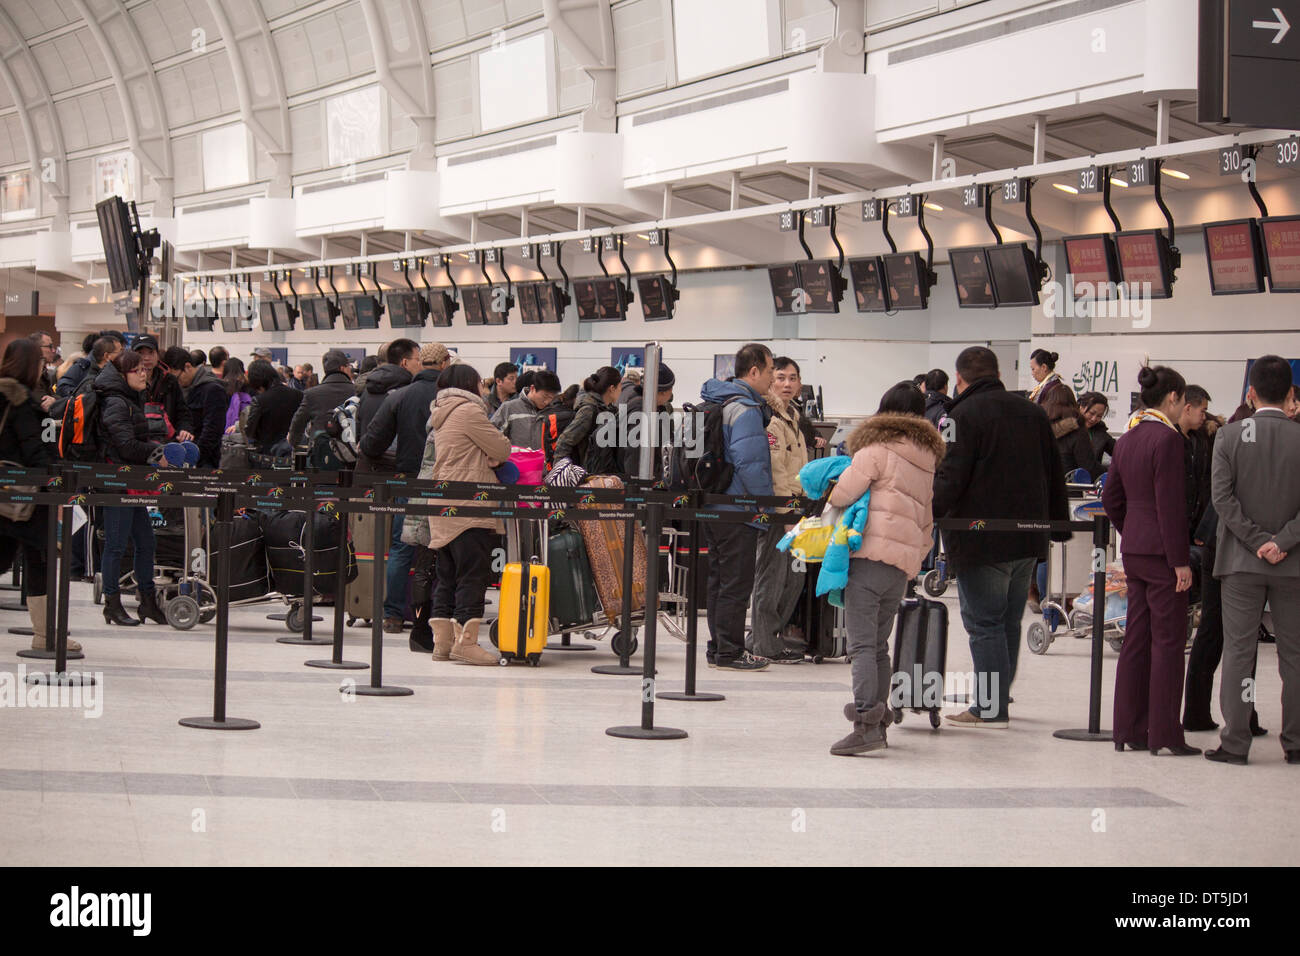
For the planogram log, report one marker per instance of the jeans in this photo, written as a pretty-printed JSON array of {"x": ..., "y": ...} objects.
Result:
[
  {"x": 777, "y": 588},
  {"x": 992, "y": 598},
  {"x": 399, "y": 568},
  {"x": 1051, "y": 615},
  {"x": 871, "y": 599},
  {"x": 463, "y": 568},
  {"x": 119, "y": 525},
  {"x": 731, "y": 581}
]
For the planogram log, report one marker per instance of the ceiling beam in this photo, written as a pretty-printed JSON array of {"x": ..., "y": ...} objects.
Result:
[
  {"x": 38, "y": 117},
  {"x": 406, "y": 75},
  {"x": 586, "y": 29}
]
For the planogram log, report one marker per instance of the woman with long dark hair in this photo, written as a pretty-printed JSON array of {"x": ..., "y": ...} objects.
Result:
[
  {"x": 1070, "y": 431},
  {"x": 21, "y": 444},
  {"x": 1145, "y": 496},
  {"x": 581, "y": 442},
  {"x": 124, "y": 437},
  {"x": 238, "y": 392}
]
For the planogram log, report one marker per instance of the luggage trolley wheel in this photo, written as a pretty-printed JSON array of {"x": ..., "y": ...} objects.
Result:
[
  {"x": 616, "y": 644},
  {"x": 293, "y": 620},
  {"x": 898, "y": 715},
  {"x": 934, "y": 720},
  {"x": 1037, "y": 638},
  {"x": 1116, "y": 643},
  {"x": 934, "y": 583},
  {"x": 97, "y": 589},
  {"x": 182, "y": 612}
]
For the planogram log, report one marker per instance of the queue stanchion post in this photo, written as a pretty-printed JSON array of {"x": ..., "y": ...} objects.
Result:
[
  {"x": 692, "y": 623},
  {"x": 304, "y": 610},
  {"x": 60, "y": 676},
  {"x": 1093, "y": 732},
  {"x": 647, "y": 730},
  {"x": 223, "y": 531},
  {"x": 336, "y": 661},
  {"x": 376, "y": 687},
  {"x": 20, "y": 563},
  {"x": 48, "y": 652},
  {"x": 624, "y": 667}
]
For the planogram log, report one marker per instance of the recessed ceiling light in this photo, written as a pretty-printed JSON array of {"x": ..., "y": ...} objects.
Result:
[
  {"x": 1175, "y": 173},
  {"x": 1066, "y": 188},
  {"x": 934, "y": 207},
  {"x": 1118, "y": 182}
]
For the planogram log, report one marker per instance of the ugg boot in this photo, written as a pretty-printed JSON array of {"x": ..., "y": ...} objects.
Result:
[
  {"x": 851, "y": 715},
  {"x": 114, "y": 613},
  {"x": 36, "y": 607},
  {"x": 466, "y": 649},
  {"x": 868, "y": 733},
  {"x": 444, "y": 636},
  {"x": 421, "y": 636},
  {"x": 149, "y": 609}
]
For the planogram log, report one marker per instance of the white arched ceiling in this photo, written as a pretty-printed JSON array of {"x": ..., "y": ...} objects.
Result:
[
  {"x": 402, "y": 64},
  {"x": 259, "y": 82},
  {"x": 37, "y": 114},
  {"x": 586, "y": 29},
  {"x": 137, "y": 87}
]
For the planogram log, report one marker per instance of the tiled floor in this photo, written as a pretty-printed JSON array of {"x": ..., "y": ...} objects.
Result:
[{"x": 494, "y": 765}]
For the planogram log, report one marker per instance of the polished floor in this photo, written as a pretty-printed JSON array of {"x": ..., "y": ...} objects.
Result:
[{"x": 494, "y": 765}]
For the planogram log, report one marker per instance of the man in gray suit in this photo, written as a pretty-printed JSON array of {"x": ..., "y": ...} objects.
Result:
[{"x": 1258, "y": 561}]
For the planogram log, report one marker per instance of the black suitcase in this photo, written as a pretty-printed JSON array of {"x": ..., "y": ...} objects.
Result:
[
  {"x": 825, "y": 632},
  {"x": 249, "y": 577},
  {"x": 282, "y": 537},
  {"x": 920, "y": 658}
]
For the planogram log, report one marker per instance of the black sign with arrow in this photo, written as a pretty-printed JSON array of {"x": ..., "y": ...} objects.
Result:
[{"x": 1249, "y": 68}]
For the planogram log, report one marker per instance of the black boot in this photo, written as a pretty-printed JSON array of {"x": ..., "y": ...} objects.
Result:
[
  {"x": 114, "y": 613},
  {"x": 421, "y": 633},
  {"x": 149, "y": 609}
]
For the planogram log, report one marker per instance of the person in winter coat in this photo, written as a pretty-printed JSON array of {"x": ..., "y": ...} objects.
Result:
[
  {"x": 1042, "y": 366},
  {"x": 1094, "y": 406},
  {"x": 937, "y": 401},
  {"x": 745, "y": 415},
  {"x": 401, "y": 368},
  {"x": 777, "y": 585},
  {"x": 273, "y": 408},
  {"x": 468, "y": 447},
  {"x": 164, "y": 391},
  {"x": 124, "y": 438},
  {"x": 21, "y": 444},
  {"x": 401, "y": 422},
  {"x": 632, "y": 404},
  {"x": 318, "y": 402},
  {"x": 585, "y": 442},
  {"x": 895, "y": 455},
  {"x": 524, "y": 418},
  {"x": 1070, "y": 432},
  {"x": 208, "y": 404},
  {"x": 238, "y": 394}
]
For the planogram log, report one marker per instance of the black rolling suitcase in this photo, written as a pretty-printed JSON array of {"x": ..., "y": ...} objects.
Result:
[
  {"x": 825, "y": 632},
  {"x": 920, "y": 658}
]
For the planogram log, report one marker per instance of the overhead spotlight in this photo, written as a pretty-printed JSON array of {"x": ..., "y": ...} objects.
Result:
[
  {"x": 933, "y": 207},
  {"x": 1175, "y": 173},
  {"x": 1066, "y": 188},
  {"x": 1116, "y": 181}
]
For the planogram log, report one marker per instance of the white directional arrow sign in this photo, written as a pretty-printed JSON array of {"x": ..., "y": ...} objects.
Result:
[{"x": 1280, "y": 25}]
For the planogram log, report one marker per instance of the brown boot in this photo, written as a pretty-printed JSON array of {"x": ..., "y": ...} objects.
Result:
[
  {"x": 36, "y": 607},
  {"x": 466, "y": 649},
  {"x": 868, "y": 733},
  {"x": 444, "y": 636}
]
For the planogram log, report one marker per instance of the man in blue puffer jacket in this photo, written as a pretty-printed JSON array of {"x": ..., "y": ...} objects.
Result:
[{"x": 732, "y": 546}]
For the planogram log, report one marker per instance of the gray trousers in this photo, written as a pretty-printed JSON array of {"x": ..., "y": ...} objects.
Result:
[
  {"x": 777, "y": 587},
  {"x": 1243, "y": 606},
  {"x": 871, "y": 601}
]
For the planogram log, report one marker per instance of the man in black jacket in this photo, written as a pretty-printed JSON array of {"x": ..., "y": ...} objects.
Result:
[
  {"x": 273, "y": 408},
  {"x": 1001, "y": 463},
  {"x": 937, "y": 401},
  {"x": 404, "y": 417},
  {"x": 207, "y": 403},
  {"x": 317, "y": 403},
  {"x": 164, "y": 390},
  {"x": 403, "y": 362}
]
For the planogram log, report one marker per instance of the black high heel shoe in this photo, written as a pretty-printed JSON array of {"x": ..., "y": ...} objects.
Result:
[
  {"x": 1177, "y": 750},
  {"x": 1131, "y": 744}
]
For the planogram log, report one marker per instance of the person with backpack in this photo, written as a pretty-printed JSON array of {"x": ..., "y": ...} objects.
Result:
[
  {"x": 100, "y": 353},
  {"x": 585, "y": 441},
  {"x": 318, "y": 403},
  {"x": 524, "y": 418},
  {"x": 736, "y": 416},
  {"x": 164, "y": 402},
  {"x": 402, "y": 364},
  {"x": 21, "y": 444},
  {"x": 895, "y": 454},
  {"x": 632, "y": 399}
]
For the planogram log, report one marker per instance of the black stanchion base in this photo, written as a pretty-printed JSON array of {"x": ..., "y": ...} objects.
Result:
[
  {"x": 682, "y": 695},
  {"x": 618, "y": 670},
  {"x": 48, "y": 655},
  {"x": 24, "y": 631},
  {"x": 13, "y": 606},
  {"x": 305, "y": 640},
  {"x": 338, "y": 665},
  {"x": 366, "y": 690},
  {"x": 570, "y": 647},
  {"x": 641, "y": 733},
  {"x": 1085, "y": 734},
  {"x": 62, "y": 679},
  {"x": 10, "y": 587},
  {"x": 230, "y": 723},
  {"x": 284, "y": 616}
]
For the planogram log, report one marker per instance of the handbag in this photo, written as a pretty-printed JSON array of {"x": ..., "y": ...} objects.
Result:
[{"x": 16, "y": 510}]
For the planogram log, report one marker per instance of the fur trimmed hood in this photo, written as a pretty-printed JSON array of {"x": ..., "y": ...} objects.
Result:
[
  {"x": 888, "y": 427},
  {"x": 1063, "y": 426},
  {"x": 14, "y": 391}
]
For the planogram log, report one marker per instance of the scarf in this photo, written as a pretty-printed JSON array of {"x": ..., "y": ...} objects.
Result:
[
  {"x": 1033, "y": 396},
  {"x": 1148, "y": 415}
]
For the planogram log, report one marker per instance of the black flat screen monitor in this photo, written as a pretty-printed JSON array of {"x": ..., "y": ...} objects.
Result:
[
  {"x": 406, "y": 310},
  {"x": 611, "y": 300},
  {"x": 1144, "y": 258},
  {"x": 868, "y": 277},
  {"x": 1015, "y": 274},
  {"x": 199, "y": 316},
  {"x": 319, "y": 314},
  {"x": 1235, "y": 258},
  {"x": 232, "y": 319},
  {"x": 970, "y": 273},
  {"x": 120, "y": 244},
  {"x": 656, "y": 297},
  {"x": 1282, "y": 252},
  {"x": 496, "y": 304},
  {"x": 819, "y": 280},
  {"x": 1092, "y": 263},
  {"x": 584, "y": 297},
  {"x": 471, "y": 296},
  {"x": 551, "y": 302},
  {"x": 786, "y": 288},
  {"x": 360, "y": 312},
  {"x": 441, "y": 307},
  {"x": 266, "y": 310},
  {"x": 905, "y": 272},
  {"x": 526, "y": 296}
]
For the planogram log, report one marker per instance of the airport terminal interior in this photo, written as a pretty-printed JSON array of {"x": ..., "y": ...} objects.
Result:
[{"x": 819, "y": 206}]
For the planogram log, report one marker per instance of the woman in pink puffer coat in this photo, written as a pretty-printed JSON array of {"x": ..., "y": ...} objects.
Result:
[{"x": 895, "y": 454}]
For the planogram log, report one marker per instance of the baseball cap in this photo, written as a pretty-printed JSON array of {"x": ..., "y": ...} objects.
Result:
[
  {"x": 334, "y": 360},
  {"x": 145, "y": 342},
  {"x": 262, "y": 352}
]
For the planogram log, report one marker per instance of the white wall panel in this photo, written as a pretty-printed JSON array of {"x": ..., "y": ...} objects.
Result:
[
  {"x": 453, "y": 91},
  {"x": 640, "y": 46}
]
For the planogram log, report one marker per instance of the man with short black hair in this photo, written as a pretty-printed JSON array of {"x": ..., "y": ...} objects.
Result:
[
  {"x": 1258, "y": 556},
  {"x": 522, "y": 418},
  {"x": 207, "y": 401},
  {"x": 1001, "y": 462},
  {"x": 402, "y": 366},
  {"x": 504, "y": 377},
  {"x": 745, "y": 417},
  {"x": 45, "y": 384},
  {"x": 318, "y": 402},
  {"x": 937, "y": 401},
  {"x": 217, "y": 359}
]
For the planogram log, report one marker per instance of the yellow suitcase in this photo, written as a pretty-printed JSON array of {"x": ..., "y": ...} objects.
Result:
[{"x": 524, "y": 620}]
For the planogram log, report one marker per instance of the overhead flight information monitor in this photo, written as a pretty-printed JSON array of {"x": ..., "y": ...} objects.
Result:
[
  {"x": 1144, "y": 258},
  {"x": 785, "y": 287},
  {"x": 1234, "y": 256},
  {"x": 1091, "y": 260},
  {"x": 970, "y": 272},
  {"x": 868, "y": 280},
  {"x": 1282, "y": 252},
  {"x": 906, "y": 280},
  {"x": 1015, "y": 274}
]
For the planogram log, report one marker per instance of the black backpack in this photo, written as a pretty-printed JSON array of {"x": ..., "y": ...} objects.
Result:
[
  {"x": 708, "y": 471},
  {"x": 79, "y": 434}
]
